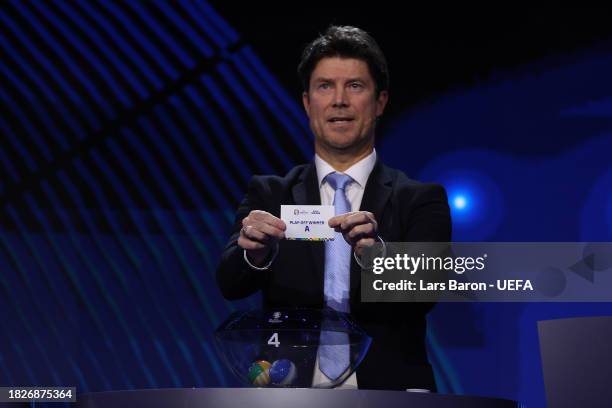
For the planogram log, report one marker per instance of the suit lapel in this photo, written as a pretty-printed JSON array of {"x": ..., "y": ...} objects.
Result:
[
  {"x": 306, "y": 192},
  {"x": 378, "y": 190},
  {"x": 375, "y": 197}
]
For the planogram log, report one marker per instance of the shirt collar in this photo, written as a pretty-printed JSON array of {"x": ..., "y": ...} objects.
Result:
[{"x": 359, "y": 171}]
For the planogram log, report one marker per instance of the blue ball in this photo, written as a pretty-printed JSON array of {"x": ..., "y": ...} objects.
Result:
[{"x": 283, "y": 372}]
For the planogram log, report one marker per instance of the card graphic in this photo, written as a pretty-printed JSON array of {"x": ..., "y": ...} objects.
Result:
[{"x": 308, "y": 222}]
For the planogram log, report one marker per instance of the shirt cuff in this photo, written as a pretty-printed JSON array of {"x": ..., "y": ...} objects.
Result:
[
  {"x": 266, "y": 266},
  {"x": 383, "y": 252}
]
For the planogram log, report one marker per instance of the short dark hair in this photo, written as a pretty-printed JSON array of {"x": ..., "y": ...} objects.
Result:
[{"x": 345, "y": 42}]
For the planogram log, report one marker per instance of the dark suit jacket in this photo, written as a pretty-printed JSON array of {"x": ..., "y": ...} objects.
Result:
[{"x": 406, "y": 210}]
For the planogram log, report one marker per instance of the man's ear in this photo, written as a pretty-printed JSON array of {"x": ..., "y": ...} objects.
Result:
[
  {"x": 381, "y": 102},
  {"x": 306, "y": 102}
]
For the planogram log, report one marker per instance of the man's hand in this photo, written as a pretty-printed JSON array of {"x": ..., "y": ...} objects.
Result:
[
  {"x": 359, "y": 229},
  {"x": 260, "y": 232}
]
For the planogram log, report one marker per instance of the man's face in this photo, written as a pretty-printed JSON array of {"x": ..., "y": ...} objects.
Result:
[{"x": 342, "y": 105}]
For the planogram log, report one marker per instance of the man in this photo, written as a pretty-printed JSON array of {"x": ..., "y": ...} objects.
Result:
[{"x": 345, "y": 80}]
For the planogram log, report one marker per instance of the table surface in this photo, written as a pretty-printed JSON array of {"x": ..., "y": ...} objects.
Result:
[{"x": 281, "y": 397}]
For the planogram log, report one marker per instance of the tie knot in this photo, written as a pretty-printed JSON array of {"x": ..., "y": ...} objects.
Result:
[{"x": 338, "y": 181}]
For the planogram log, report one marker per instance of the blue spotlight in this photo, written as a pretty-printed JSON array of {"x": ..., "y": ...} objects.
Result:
[
  {"x": 464, "y": 199},
  {"x": 475, "y": 202},
  {"x": 459, "y": 202}
]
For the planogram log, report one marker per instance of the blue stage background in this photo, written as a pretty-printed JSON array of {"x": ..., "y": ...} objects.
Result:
[{"x": 129, "y": 131}]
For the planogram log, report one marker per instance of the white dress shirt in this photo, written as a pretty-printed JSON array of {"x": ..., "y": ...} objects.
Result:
[{"x": 359, "y": 172}]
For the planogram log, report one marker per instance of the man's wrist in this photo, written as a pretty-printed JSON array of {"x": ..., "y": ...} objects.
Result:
[
  {"x": 383, "y": 252},
  {"x": 271, "y": 256}
]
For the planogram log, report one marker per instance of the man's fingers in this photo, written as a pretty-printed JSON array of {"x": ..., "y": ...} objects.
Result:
[
  {"x": 263, "y": 227},
  {"x": 266, "y": 217},
  {"x": 270, "y": 230},
  {"x": 361, "y": 230},
  {"x": 337, "y": 220},
  {"x": 254, "y": 234},
  {"x": 356, "y": 218},
  {"x": 355, "y": 226},
  {"x": 346, "y": 221}
]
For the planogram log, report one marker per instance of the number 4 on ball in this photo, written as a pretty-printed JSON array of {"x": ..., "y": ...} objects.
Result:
[{"x": 273, "y": 341}]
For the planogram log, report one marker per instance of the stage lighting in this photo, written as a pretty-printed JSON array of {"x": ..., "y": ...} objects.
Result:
[{"x": 459, "y": 202}]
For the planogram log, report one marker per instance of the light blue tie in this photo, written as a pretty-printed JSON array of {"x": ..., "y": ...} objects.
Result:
[{"x": 334, "y": 350}]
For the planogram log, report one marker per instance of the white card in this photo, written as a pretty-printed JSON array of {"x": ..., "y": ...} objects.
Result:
[{"x": 308, "y": 222}]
